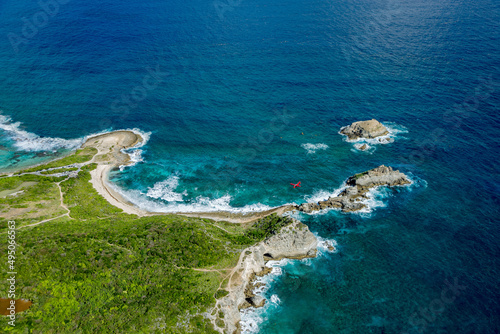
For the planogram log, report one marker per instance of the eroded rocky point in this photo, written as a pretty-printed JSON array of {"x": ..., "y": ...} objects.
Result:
[
  {"x": 293, "y": 241},
  {"x": 364, "y": 129},
  {"x": 351, "y": 199}
]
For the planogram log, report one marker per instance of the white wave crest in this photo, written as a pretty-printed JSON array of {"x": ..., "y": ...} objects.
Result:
[
  {"x": 30, "y": 142},
  {"x": 322, "y": 195},
  {"x": 312, "y": 148},
  {"x": 326, "y": 245},
  {"x": 165, "y": 190},
  {"x": 198, "y": 204},
  {"x": 135, "y": 153},
  {"x": 275, "y": 299},
  {"x": 251, "y": 319}
]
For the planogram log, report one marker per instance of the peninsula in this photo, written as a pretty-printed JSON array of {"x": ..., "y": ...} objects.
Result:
[{"x": 357, "y": 188}]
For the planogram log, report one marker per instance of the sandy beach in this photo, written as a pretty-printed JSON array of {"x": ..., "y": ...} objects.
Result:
[{"x": 109, "y": 156}]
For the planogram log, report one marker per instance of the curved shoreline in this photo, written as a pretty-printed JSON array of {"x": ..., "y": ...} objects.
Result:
[
  {"x": 110, "y": 155},
  {"x": 294, "y": 241}
]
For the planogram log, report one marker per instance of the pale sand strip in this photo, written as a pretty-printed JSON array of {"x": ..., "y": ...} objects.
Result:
[
  {"x": 100, "y": 182},
  {"x": 109, "y": 156}
]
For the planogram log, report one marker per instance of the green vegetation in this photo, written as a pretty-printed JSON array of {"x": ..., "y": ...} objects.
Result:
[
  {"x": 268, "y": 226},
  {"x": 221, "y": 293},
  {"x": 29, "y": 199},
  {"x": 357, "y": 176},
  {"x": 104, "y": 271},
  {"x": 59, "y": 170},
  {"x": 82, "y": 199},
  {"x": 80, "y": 156}
]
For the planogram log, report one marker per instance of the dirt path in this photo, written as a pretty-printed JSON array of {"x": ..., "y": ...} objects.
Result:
[
  {"x": 43, "y": 221},
  {"x": 61, "y": 198}
]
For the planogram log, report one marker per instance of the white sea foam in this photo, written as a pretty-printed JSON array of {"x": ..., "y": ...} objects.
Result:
[
  {"x": 165, "y": 190},
  {"x": 135, "y": 157},
  {"x": 325, "y": 245},
  {"x": 360, "y": 145},
  {"x": 135, "y": 153},
  {"x": 395, "y": 131},
  {"x": 275, "y": 299},
  {"x": 375, "y": 199},
  {"x": 252, "y": 318},
  {"x": 30, "y": 142},
  {"x": 415, "y": 181},
  {"x": 312, "y": 148},
  {"x": 322, "y": 195},
  {"x": 198, "y": 204}
]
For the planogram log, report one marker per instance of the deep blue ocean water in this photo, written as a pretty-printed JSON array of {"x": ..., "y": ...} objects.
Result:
[{"x": 240, "y": 98}]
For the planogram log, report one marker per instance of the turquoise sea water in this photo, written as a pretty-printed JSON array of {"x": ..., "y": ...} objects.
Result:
[{"x": 241, "y": 98}]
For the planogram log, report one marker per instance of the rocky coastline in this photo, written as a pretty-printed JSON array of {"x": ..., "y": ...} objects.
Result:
[
  {"x": 294, "y": 241},
  {"x": 364, "y": 130},
  {"x": 357, "y": 187}
]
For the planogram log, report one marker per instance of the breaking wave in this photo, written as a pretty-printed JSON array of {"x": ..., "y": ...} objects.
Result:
[
  {"x": 135, "y": 153},
  {"x": 375, "y": 197},
  {"x": 252, "y": 318},
  {"x": 165, "y": 191},
  {"x": 326, "y": 245},
  {"x": 30, "y": 142},
  {"x": 312, "y": 148}
]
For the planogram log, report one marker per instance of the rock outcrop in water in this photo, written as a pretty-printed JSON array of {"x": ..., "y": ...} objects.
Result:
[
  {"x": 351, "y": 199},
  {"x": 364, "y": 129},
  {"x": 294, "y": 241}
]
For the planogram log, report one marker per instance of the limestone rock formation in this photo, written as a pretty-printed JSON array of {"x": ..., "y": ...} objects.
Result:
[
  {"x": 351, "y": 199},
  {"x": 293, "y": 241},
  {"x": 364, "y": 129}
]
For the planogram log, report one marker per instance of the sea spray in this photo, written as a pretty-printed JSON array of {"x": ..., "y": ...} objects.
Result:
[{"x": 135, "y": 153}]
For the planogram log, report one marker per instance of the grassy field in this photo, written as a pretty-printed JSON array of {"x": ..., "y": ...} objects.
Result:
[{"x": 99, "y": 270}]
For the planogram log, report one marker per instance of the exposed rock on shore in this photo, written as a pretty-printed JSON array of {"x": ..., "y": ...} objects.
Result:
[
  {"x": 351, "y": 199},
  {"x": 363, "y": 147},
  {"x": 294, "y": 241},
  {"x": 364, "y": 129}
]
